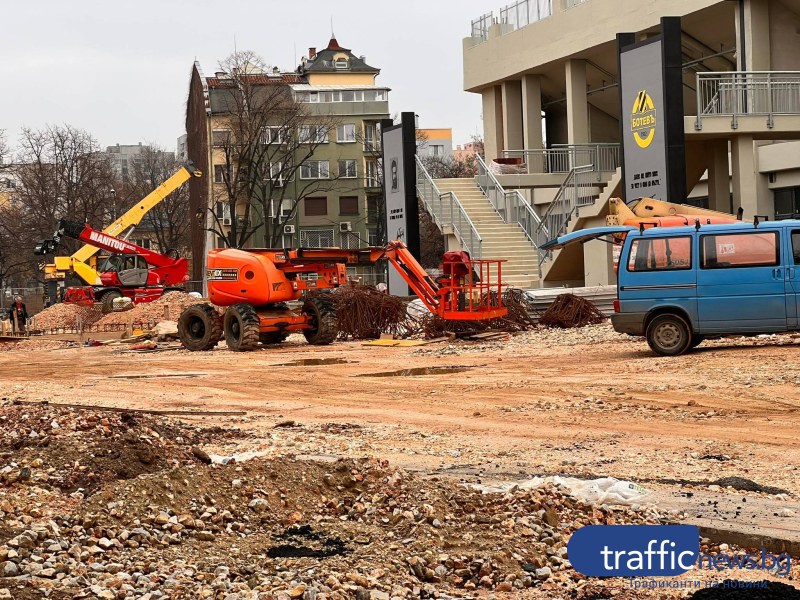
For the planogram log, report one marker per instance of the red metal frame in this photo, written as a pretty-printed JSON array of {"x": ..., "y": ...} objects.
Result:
[{"x": 267, "y": 276}]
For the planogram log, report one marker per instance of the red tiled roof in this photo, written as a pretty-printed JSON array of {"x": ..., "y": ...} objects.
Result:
[
  {"x": 257, "y": 79},
  {"x": 334, "y": 45}
]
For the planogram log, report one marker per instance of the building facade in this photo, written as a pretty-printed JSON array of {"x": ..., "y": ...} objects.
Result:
[
  {"x": 548, "y": 77},
  {"x": 333, "y": 198},
  {"x": 435, "y": 142}
]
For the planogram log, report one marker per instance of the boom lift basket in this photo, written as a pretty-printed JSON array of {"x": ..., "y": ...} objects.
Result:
[{"x": 476, "y": 294}]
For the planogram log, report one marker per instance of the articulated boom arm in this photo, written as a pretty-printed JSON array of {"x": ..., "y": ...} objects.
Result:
[
  {"x": 477, "y": 298},
  {"x": 103, "y": 241}
]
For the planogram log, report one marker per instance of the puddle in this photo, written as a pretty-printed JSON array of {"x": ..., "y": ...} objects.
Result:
[
  {"x": 313, "y": 362},
  {"x": 156, "y": 375},
  {"x": 417, "y": 372}
]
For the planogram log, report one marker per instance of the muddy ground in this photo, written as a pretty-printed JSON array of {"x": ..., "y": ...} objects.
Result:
[{"x": 586, "y": 403}]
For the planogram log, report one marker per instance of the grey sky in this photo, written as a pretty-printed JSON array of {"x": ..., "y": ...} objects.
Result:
[{"x": 120, "y": 70}]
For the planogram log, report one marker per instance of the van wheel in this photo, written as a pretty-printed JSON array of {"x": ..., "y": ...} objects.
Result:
[
  {"x": 669, "y": 335},
  {"x": 696, "y": 341}
]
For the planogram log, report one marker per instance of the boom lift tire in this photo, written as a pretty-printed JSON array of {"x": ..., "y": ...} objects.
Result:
[
  {"x": 322, "y": 318},
  {"x": 199, "y": 327},
  {"x": 241, "y": 326},
  {"x": 669, "y": 335},
  {"x": 272, "y": 337}
]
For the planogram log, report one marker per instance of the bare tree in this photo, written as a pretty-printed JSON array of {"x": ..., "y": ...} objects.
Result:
[
  {"x": 444, "y": 167},
  {"x": 61, "y": 174},
  {"x": 3, "y": 149},
  {"x": 169, "y": 220},
  {"x": 263, "y": 154}
]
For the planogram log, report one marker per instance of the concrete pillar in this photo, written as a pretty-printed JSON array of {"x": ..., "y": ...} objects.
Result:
[
  {"x": 743, "y": 168},
  {"x": 492, "y": 122},
  {"x": 577, "y": 104},
  {"x": 512, "y": 115},
  {"x": 719, "y": 196},
  {"x": 756, "y": 55},
  {"x": 532, "y": 112},
  {"x": 598, "y": 265}
]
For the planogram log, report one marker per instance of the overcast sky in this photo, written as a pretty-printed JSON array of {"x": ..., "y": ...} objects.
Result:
[{"x": 120, "y": 70}]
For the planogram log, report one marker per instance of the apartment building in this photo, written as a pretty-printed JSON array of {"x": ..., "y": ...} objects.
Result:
[
  {"x": 435, "y": 142},
  {"x": 547, "y": 74},
  {"x": 342, "y": 106}
]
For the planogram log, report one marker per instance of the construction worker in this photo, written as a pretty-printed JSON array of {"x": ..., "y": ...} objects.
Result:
[{"x": 19, "y": 316}]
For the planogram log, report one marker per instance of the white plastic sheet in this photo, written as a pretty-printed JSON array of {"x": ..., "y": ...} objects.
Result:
[{"x": 606, "y": 490}]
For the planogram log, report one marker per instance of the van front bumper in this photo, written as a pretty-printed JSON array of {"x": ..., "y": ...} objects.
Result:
[{"x": 630, "y": 323}]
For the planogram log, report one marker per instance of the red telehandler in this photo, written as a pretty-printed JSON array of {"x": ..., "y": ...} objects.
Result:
[
  {"x": 131, "y": 271},
  {"x": 254, "y": 284}
]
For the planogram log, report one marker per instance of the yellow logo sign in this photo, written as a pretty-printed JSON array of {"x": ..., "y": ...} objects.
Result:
[{"x": 643, "y": 119}]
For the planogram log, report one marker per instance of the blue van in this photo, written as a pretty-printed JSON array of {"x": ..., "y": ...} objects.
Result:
[{"x": 677, "y": 286}]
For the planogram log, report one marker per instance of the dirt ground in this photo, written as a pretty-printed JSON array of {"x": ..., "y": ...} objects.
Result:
[{"x": 586, "y": 403}]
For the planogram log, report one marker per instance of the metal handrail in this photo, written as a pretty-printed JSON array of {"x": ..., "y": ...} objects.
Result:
[
  {"x": 446, "y": 209},
  {"x": 567, "y": 202},
  {"x": 509, "y": 204},
  {"x": 561, "y": 158},
  {"x": 739, "y": 93}
]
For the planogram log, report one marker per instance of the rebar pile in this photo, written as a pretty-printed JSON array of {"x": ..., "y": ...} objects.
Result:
[
  {"x": 364, "y": 313},
  {"x": 521, "y": 316},
  {"x": 569, "y": 310}
]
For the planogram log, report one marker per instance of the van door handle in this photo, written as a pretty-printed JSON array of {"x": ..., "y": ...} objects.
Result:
[
  {"x": 776, "y": 273},
  {"x": 790, "y": 272}
]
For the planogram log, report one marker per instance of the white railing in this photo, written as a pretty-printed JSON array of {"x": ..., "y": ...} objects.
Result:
[
  {"x": 738, "y": 93},
  {"x": 524, "y": 12},
  {"x": 561, "y": 158},
  {"x": 577, "y": 190},
  {"x": 509, "y": 204},
  {"x": 480, "y": 26},
  {"x": 446, "y": 210}
]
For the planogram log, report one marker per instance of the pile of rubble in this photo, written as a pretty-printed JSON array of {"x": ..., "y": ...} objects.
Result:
[
  {"x": 65, "y": 316},
  {"x": 166, "y": 308},
  {"x": 120, "y": 506}
]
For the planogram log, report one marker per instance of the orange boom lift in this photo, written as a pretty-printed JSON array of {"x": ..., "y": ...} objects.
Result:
[{"x": 254, "y": 285}]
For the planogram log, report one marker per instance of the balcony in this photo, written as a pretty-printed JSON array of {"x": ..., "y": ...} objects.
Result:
[
  {"x": 764, "y": 105},
  {"x": 561, "y": 158}
]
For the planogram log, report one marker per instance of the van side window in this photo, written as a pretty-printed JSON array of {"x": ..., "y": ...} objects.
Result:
[
  {"x": 661, "y": 254},
  {"x": 796, "y": 247},
  {"x": 732, "y": 250}
]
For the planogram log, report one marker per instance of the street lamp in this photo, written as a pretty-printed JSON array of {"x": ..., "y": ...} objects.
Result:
[{"x": 114, "y": 201}]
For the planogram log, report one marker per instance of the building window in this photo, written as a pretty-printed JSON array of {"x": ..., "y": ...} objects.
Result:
[
  {"x": 787, "y": 202},
  {"x": 222, "y": 210},
  {"x": 437, "y": 149},
  {"x": 346, "y": 133},
  {"x": 219, "y": 173},
  {"x": 276, "y": 174},
  {"x": 272, "y": 135},
  {"x": 350, "y": 240},
  {"x": 143, "y": 242},
  {"x": 316, "y": 207},
  {"x": 373, "y": 210},
  {"x": 341, "y": 63},
  {"x": 316, "y": 238},
  {"x": 348, "y": 205},
  {"x": 374, "y": 95},
  {"x": 314, "y": 169},
  {"x": 372, "y": 178},
  {"x": 350, "y": 95},
  {"x": 220, "y": 137},
  {"x": 313, "y": 134},
  {"x": 347, "y": 169},
  {"x": 372, "y": 136},
  {"x": 281, "y": 208}
]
